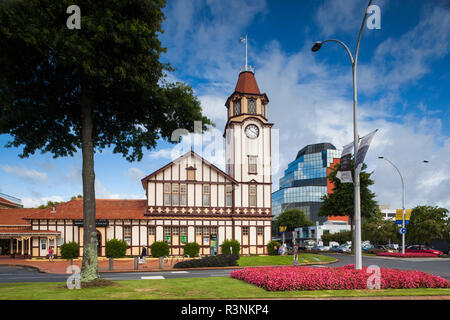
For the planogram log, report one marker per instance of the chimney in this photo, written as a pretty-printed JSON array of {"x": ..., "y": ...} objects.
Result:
[{"x": 53, "y": 209}]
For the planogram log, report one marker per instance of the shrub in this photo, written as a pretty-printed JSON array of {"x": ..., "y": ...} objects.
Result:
[
  {"x": 272, "y": 247},
  {"x": 159, "y": 249},
  {"x": 69, "y": 250},
  {"x": 221, "y": 260},
  {"x": 227, "y": 244},
  {"x": 192, "y": 249},
  {"x": 116, "y": 248}
]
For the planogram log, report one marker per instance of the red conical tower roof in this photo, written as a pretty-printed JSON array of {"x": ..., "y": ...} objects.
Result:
[{"x": 247, "y": 83}]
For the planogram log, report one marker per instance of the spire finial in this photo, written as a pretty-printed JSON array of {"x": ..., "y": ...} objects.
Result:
[{"x": 247, "y": 67}]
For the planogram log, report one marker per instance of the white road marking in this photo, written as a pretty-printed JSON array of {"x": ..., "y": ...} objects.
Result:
[
  {"x": 152, "y": 277},
  {"x": 179, "y": 272}
]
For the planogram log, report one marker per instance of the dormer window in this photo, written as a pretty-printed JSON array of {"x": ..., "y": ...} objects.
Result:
[
  {"x": 251, "y": 106},
  {"x": 237, "y": 107}
]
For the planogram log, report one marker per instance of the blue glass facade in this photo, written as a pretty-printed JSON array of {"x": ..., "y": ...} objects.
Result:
[{"x": 305, "y": 181}]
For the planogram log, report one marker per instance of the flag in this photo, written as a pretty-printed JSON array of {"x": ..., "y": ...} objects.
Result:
[
  {"x": 344, "y": 173},
  {"x": 362, "y": 150}
]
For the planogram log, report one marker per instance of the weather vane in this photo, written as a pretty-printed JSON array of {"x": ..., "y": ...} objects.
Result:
[{"x": 247, "y": 67}]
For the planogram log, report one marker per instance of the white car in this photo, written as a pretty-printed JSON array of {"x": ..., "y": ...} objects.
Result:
[
  {"x": 321, "y": 248},
  {"x": 344, "y": 249}
]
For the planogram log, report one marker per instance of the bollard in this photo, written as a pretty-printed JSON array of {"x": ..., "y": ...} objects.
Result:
[
  {"x": 161, "y": 262},
  {"x": 136, "y": 263},
  {"x": 111, "y": 264}
]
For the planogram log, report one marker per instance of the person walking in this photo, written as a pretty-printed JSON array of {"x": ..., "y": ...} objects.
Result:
[
  {"x": 50, "y": 254},
  {"x": 144, "y": 253}
]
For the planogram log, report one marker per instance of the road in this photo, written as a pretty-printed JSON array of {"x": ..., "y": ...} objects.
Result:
[{"x": 440, "y": 267}]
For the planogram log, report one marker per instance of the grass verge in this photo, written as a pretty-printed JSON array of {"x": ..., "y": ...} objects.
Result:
[
  {"x": 281, "y": 260},
  {"x": 185, "y": 288}
]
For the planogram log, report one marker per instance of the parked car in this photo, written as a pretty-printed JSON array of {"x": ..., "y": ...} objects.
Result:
[
  {"x": 335, "y": 248},
  {"x": 423, "y": 249},
  {"x": 344, "y": 249},
  {"x": 441, "y": 245},
  {"x": 320, "y": 248}
]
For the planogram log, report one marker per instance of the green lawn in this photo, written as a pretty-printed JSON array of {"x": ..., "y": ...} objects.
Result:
[
  {"x": 198, "y": 288},
  {"x": 281, "y": 260}
]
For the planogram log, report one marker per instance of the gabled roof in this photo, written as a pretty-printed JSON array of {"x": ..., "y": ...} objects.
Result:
[
  {"x": 189, "y": 153},
  {"x": 104, "y": 209}
]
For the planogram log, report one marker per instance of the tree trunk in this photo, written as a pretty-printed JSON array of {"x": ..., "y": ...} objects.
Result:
[{"x": 89, "y": 269}]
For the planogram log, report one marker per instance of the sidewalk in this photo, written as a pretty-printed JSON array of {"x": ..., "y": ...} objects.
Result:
[{"x": 59, "y": 266}]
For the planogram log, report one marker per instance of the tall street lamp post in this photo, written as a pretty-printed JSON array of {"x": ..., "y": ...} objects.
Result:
[
  {"x": 354, "y": 61},
  {"x": 403, "y": 199}
]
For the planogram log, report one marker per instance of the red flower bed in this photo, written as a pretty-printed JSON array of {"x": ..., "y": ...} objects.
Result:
[
  {"x": 309, "y": 278},
  {"x": 407, "y": 254}
]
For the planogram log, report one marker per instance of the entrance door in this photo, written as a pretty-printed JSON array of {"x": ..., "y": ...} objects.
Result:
[
  {"x": 4, "y": 247},
  {"x": 99, "y": 243}
]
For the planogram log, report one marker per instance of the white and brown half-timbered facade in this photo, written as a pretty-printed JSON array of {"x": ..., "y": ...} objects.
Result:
[{"x": 187, "y": 200}]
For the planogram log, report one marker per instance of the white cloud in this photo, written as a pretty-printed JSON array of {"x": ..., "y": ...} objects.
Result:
[
  {"x": 135, "y": 174},
  {"x": 36, "y": 202},
  {"x": 31, "y": 175}
]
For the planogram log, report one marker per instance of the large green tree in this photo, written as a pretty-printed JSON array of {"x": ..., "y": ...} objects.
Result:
[
  {"x": 341, "y": 201},
  {"x": 380, "y": 231},
  {"x": 62, "y": 90},
  {"x": 292, "y": 218},
  {"x": 428, "y": 223}
]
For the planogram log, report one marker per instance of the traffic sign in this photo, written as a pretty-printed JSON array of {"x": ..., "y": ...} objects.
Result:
[{"x": 402, "y": 230}]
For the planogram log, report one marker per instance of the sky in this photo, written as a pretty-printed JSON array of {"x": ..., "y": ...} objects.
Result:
[{"x": 403, "y": 91}]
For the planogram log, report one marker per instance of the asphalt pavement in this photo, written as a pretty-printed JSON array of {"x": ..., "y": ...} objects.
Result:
[{"x": 436, "y": 266}]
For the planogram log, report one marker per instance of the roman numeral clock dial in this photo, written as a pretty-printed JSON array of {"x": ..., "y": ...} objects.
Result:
[{"x": 252, "y": 131}]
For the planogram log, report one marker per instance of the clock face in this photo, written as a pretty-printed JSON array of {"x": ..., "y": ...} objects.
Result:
[{"x": 252, "y": 131}]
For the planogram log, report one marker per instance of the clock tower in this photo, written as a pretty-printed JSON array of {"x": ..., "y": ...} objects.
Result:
[{"x": 248, "y": 143}]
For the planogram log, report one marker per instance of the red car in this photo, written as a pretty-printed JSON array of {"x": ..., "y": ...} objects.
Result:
[{"x": 423, "y": 249}]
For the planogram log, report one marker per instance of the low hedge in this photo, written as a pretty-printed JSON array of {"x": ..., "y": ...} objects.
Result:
[
  {"x": 116, "y": 248},
  {"x": 192, "y": 249},
  {"x": 227, "y": 244},
  {"x": 221, "y": 260},
  {"x": 69, "y": 250},
  {"x": 272, "y": 248},
  {"x": 159, "y": 249}
]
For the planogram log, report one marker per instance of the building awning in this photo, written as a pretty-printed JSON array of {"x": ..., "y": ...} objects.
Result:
[{"x": 6, "y": 232}]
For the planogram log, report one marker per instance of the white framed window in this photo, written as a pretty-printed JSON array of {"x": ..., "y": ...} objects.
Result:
[
  {"x": 229, "y": 196},
  {"x": 175, "y": 194},
  {"x": 43, "y": 244},
  {"x": 167, "y": 191},
  {"x": 183, "y": 190},
  {"x": 206, "y": 195},
  {"x": 245, "y": 231},
  {"x": 252, "y": 164},
  {"x": 127, "y": 234},
  {"x": 252, "y": 195}
]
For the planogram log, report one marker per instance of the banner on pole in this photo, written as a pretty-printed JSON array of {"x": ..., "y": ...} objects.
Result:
[
  {"x": 344, "y": 173},
  {"x": 362, "y": 150}
]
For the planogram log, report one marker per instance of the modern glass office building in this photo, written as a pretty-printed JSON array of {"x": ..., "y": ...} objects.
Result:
[{"x": 305, "y": 181}]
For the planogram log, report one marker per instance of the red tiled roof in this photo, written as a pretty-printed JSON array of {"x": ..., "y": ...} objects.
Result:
[
  {"x": 247, "y": 83},
  {"x": 105, "y": 209},
  {"x": 15, "y": 217}
]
